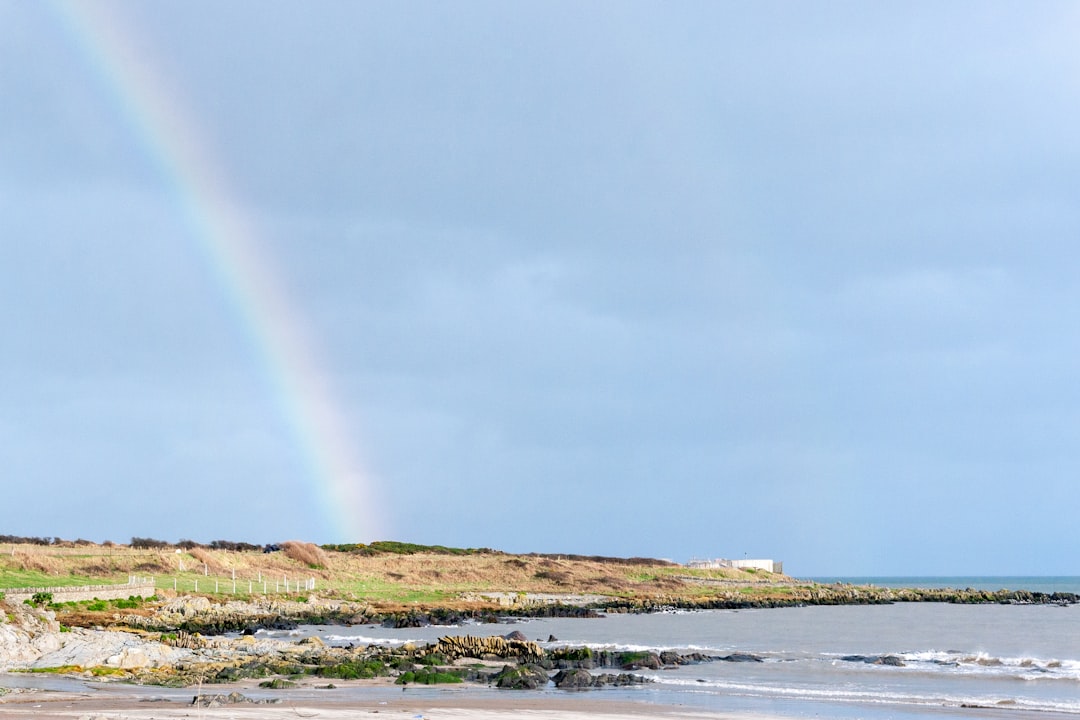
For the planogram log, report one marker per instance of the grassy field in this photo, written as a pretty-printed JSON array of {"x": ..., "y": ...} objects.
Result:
[{"x": 429, "y": 576}]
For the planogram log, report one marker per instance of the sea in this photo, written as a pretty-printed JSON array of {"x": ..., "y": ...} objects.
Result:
[
  {"x": 938, "y": 659},
  {"x": 900, "y": 661}
]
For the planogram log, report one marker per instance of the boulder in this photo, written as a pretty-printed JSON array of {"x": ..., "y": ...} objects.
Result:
[
  {"x": 522, "y": 677},
  {"x": 741, "y": 657},
  {"x": 573, "y": 679},
  {"x": 892, "y": 660}
]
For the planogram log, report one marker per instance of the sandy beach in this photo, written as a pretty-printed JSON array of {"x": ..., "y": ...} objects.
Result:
[{"x": 120, "y": 706}]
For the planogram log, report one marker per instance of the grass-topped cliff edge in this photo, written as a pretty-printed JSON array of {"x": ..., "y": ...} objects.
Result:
[
  {"x": 404, "y": 581},
  {"x": 380, "y": 573}
]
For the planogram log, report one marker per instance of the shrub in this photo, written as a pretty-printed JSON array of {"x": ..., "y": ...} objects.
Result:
[
  {"x": 41, "y": 598},
  {"x": 148, "y": 543},
  {"x": 234, "y": 546},
  {"x": 559, "y": 577},
  {"x": 16, "y": 540}
]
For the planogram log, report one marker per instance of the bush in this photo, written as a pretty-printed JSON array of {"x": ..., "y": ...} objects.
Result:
[
  {"x": 148, "y": 543},
  {"x": 41, "y": 598},
  {"x": 234, "y": 546},
  {"x": 401, "y": 548},
  {"x": 16, "y": 540}
]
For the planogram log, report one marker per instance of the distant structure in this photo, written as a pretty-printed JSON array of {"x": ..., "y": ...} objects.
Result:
[{"x": 773, "y": 566}]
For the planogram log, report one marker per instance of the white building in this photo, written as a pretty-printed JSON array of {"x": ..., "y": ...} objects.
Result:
[{"x": 772, "y": 566}]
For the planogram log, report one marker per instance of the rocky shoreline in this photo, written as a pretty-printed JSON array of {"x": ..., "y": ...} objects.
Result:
[
  {"x": 180, "y": 642},
  {"x": 197, "y": 614}
]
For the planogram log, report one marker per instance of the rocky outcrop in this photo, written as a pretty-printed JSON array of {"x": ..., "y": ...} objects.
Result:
[
  {"x": 233, "y": 698},
  {"x": 521, "y": 677},
  {"x": 790, "y": 594},
  {"x": 102, "y": 648},
  {"x": 581, "y": 679},
  {"x": 25, "y": 634},
  {"x": 892, "y": 660},
  {"x": 488, "y": 648}
]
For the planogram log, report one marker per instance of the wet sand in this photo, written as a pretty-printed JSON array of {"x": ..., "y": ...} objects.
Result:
[{"x": 79, "y": 706}]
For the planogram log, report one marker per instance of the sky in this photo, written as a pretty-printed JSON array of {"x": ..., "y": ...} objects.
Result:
[{"x": 682, "y": 280}]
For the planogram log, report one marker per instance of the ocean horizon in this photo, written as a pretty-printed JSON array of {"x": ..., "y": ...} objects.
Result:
[{"x": 1033, "y": 583}]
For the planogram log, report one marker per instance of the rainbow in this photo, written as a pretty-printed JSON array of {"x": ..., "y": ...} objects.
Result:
[{"x": 228, "y": 239}]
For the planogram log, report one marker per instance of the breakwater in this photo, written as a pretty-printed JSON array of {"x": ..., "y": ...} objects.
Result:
[{"x": 805, "y": 595}]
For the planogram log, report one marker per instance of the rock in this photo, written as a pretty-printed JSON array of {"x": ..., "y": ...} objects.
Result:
[
  {"x": 127, "y": 651},
  {"x": 670, "y": 657},
  {"x": 522, "y": 677},
  {"x": 30, "y": 633},
  {"x": 458, "y": 646},
  {"x": 516, "y": 635},
  {"x": 636, "y": 661},
  {"x": 279, "y": 684},
  {"x": 573, "y": 679},
  {"x": 620, "y": 680},
  {"x": 892, "y": 660},
  {"x": 233, "y": 698},
  {"x": 741, "y": 657}
]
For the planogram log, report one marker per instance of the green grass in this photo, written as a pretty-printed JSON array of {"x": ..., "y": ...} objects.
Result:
[
  {"x": 402, "y": 548},
  {"x": 12, "y": 579}
]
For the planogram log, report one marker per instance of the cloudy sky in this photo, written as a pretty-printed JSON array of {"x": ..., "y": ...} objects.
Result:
[{"x": 789, "y": 280}]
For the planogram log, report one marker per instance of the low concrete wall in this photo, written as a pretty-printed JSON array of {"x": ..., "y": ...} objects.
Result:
[{"x": 143, "y": 587}]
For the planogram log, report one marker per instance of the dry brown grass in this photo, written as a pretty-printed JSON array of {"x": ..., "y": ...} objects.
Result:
[
  {"x": 207, "y": 558},
  {"x": 307, "y": 553},
  {"x": 380, "y": 578}
]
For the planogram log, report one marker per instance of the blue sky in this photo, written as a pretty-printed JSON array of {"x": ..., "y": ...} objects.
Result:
[{"x": 790, "y": 280}]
